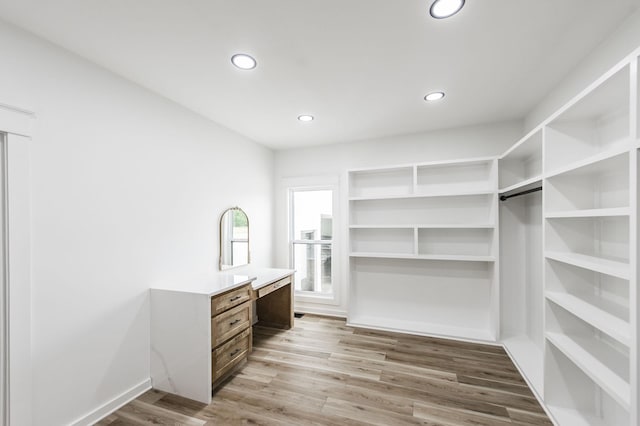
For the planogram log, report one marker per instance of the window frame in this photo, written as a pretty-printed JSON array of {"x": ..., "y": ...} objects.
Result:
[{"x": 305, "y": 296}]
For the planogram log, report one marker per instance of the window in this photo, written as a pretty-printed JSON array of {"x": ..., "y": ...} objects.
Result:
[{"x": 311, "y": 237}]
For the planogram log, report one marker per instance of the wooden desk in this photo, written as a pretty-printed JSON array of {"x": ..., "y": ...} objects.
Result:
[{"x": 273, "y": 294}]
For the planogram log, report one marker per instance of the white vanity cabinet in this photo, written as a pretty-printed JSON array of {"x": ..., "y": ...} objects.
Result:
[{"x": 200, "y": 332}]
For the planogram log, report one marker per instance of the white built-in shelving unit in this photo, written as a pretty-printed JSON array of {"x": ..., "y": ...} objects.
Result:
[
  {"x": 569, "y": 256},
  {"x": 425, "y": 241},
  {"x": 424, "y": 248},
  {"x": 590, "y": 216},
  {"x": 522, "y": 294}
]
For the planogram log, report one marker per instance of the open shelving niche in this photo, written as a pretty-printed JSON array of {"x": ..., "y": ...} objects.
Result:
[
  {"x": 522, "y": 294},
  {"x": 423, "y": 249},
  {"x": 520, "y": 167},
  {"x": 590, "y": 254},
  {"x": 594, "y": 124}
]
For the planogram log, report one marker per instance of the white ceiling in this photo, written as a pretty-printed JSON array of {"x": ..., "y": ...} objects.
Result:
[{"x": 361, "y": 67}]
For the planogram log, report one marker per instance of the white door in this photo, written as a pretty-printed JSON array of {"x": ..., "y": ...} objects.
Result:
[
  {"x": 4, "y": 346},
  {"x": 15, "y": 267}
]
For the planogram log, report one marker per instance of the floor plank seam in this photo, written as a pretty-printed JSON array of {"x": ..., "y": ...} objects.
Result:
[{"x": 322, "y": 372}]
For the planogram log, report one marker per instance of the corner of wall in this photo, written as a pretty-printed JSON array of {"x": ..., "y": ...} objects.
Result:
[{"x": 623, "y": 41}]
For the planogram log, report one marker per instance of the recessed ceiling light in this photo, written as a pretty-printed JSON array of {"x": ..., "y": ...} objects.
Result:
[
  {"x": 435, "y": 96},
  {"x": 243, "y": 61},
  {"x": 305, "y": 117},
  {"x": 441, "y": 9}
]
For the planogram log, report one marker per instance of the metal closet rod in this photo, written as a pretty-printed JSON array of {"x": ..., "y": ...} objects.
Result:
[{"x": 528, "y": 191}]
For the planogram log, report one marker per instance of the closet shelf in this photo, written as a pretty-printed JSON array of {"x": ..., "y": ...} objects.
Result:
[
  {"x": 426, "y": 195},
  {"x": 428, "y": 226},
  {"x": 592, "y": 263},
  {"x": 529, "y": 145},
  {"x": 453, "y": 257},
  {"x": 594, "y": 159},
  {"x": 527, "y": 357},
  {"x": 455, "y": 163},
  {"x": 523, "y": 185},
  {"x": 615, "y": 327},
  {"x": 428, "y": 164},
  {"x": 610, "y": 212},
  {"x": 567, "y": 416},
  {"x": 581, "y": 353},
  {"x": 420, "y": 328}
]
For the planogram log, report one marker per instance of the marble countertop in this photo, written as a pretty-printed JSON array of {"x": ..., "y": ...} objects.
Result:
[
  {"x": 206, "y": 286},
  {"x": 263, "y": 276},
  {"x": 220, "y": 282}
]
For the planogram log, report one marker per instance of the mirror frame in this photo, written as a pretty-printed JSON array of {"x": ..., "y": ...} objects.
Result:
[{"x": 221, "y": 243}]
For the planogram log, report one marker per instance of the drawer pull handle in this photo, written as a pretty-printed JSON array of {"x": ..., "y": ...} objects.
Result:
[
  {"x": 234, "y": 322},
  {"x": 233, "y": 299},
  {"x": 234, "y": 353}
]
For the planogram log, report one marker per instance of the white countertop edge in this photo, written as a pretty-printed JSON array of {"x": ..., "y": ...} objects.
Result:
[
  {"x": 226, "y": 280},
  {"x": 264, "y": 276},
  {"x": 270, "y": 275},
  {"x": 210, "y": 286}
]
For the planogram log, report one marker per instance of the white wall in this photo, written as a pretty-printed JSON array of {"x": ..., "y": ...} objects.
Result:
[
  {"x": 323, "y": 164},
  {"x": 624, "y": 40},
  {"x": 127, "y": 189}
]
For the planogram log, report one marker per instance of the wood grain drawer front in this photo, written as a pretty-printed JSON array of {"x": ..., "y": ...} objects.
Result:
[
  {"x": 230, "y": 354},
  {"x": 229, "y": 323},
  {"x": 273, "y": 286},
  {"x": 228, "y": 300}
]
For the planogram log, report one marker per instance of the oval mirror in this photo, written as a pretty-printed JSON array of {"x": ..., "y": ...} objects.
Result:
[{"x": 234, "y": 238}]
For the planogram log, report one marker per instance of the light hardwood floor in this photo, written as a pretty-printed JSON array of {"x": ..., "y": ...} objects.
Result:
[{"x": 322, "y": 372}]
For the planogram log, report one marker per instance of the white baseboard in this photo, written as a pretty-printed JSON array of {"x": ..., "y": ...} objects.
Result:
[
  {"x": 530, "y": 385},
  {"x": 403, "y": 330},
  {"x": 113, "y": 405},
  {"x": 319, "y": 310}
]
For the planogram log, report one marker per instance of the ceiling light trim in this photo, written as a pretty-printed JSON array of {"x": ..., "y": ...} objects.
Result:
[
  {"x": 434, "y": 96},
  {"x": 244, "y": 61},
  {"x": 434, "y": 5}
]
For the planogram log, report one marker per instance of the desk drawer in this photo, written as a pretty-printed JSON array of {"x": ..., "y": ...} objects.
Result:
[
  {"x": 273, "y": 286},
  {"x": 229, "y": 323},
  {"x": 228, "y": 300},
  {"x": 230, "y": 354}
]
